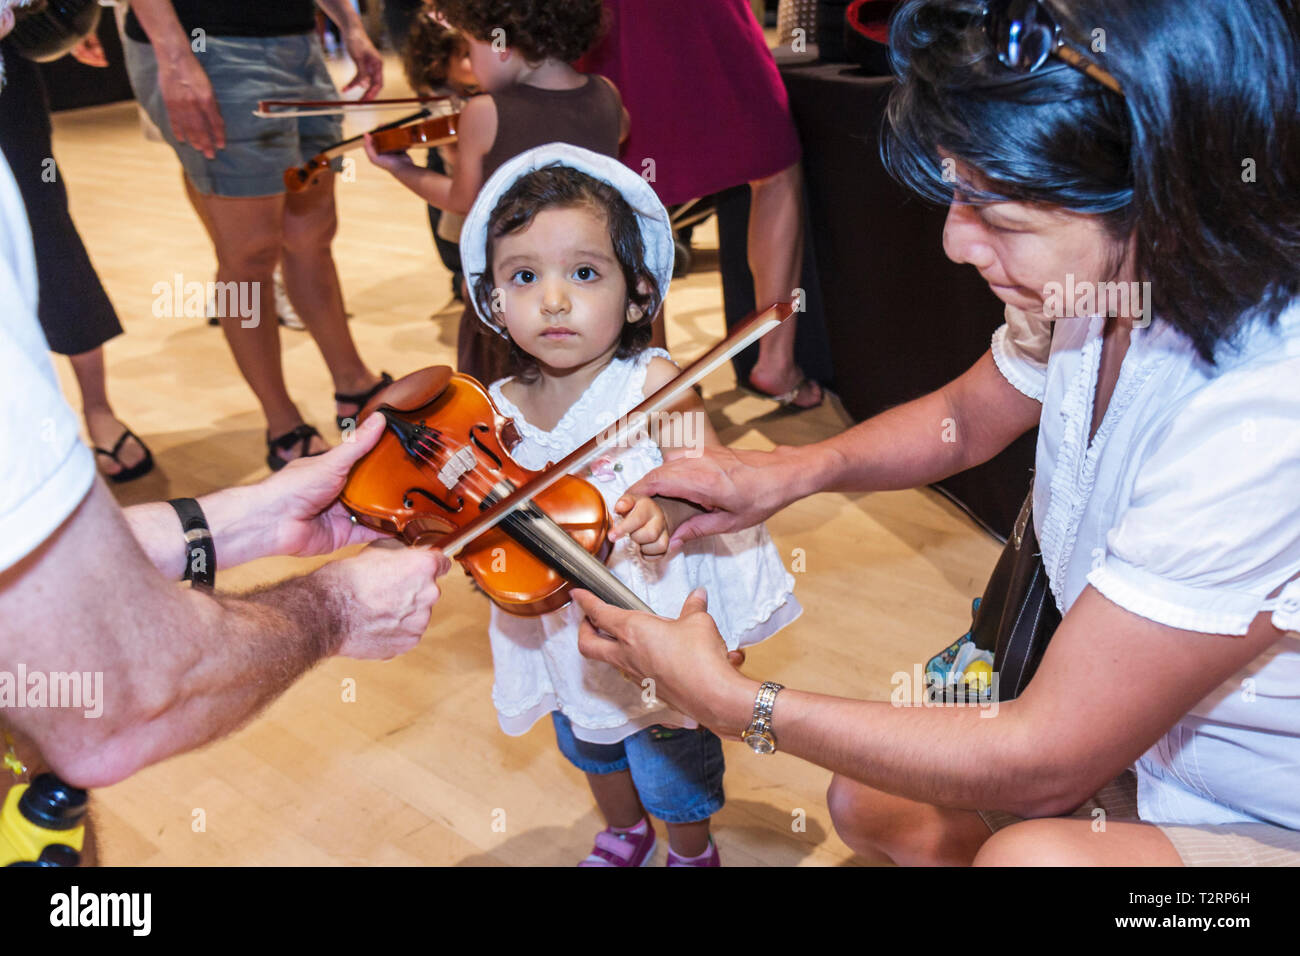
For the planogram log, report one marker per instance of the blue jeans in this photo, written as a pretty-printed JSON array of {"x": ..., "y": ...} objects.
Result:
[{"x": 677, "y": 773}]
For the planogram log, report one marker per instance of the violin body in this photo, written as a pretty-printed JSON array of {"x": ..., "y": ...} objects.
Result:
[
  {"x": 437, "y": 131},
  {"x": 441, "y": 474},
  {"x": 444, "y": 457}
]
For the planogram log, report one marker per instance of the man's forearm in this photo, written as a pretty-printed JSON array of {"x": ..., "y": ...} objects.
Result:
[
  {"x": 216, "y": 663},
  {"x": 239, "y": 532},
  {"x": 179, "y": 667}
]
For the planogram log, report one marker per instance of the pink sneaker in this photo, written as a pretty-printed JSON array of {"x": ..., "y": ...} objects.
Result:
[
  {"x": 615, "y": 848},
  {"x": 710, "y": 858}
]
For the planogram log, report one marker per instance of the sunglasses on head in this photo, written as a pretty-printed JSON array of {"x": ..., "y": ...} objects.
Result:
[{"x": 1025, "y": 33}]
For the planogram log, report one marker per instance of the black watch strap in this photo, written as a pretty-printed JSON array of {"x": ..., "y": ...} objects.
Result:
[{"x": 200, "y": 553}]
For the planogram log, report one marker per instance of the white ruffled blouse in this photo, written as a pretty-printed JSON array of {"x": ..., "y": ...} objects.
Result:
[
  {"x": 537, "y": 665},
  {"x": 1185, "y": 510}
]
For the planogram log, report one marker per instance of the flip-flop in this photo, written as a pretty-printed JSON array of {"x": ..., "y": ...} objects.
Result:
[
  {"x": 300, "y": 436},
  {"x": 359, "y": 400},
  {"x": 142, "y": 467},
  {"x": 787, "y": 399}
]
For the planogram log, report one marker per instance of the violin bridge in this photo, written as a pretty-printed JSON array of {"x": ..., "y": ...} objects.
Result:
[{"x": 457, "y": 465}]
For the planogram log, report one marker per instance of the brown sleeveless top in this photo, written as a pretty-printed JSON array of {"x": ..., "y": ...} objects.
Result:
[{"x": 588, "y": 116}]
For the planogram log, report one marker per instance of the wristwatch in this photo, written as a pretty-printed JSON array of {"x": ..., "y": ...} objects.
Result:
[{"x": 759, "y": 734}]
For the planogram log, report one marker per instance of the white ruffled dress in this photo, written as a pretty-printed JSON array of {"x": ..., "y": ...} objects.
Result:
[{"x": 537, "y": 665}]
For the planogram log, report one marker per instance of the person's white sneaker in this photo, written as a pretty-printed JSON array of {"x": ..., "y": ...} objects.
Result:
[{"x": 284, "y": 309}]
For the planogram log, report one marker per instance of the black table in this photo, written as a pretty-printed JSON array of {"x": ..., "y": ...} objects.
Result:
[{"x": 901, "y": 318}]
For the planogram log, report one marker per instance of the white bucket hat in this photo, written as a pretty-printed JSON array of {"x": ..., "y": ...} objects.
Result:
[{"x": 656, "y": 229}]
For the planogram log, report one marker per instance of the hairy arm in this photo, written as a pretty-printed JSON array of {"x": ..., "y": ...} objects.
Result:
[{"x": 180, "y": 667}]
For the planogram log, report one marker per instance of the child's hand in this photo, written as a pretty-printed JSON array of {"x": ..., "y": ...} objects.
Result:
[
  {"x": 389, "y": 161},
  {"x": 644, "y": 521}
]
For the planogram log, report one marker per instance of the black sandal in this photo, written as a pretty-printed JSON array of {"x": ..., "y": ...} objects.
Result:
[
  {"x": 360, "y": 400},
  {"x": 300, "y": 438},
  {"x": 142, "y": 467}
]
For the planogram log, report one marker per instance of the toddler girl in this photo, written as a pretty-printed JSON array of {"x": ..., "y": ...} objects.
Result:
[{"x": 568, "y": 254}]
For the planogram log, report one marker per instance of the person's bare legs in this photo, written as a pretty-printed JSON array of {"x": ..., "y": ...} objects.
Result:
[
  {"x": 1062, "y": 841},
  {"x": 616, "y": 798},
  {"x": 776, "y": 262},
  {"x": 689, "y": 839},
  {"x": 246, "y": 234},
  {"x": 200, "y": 210},
  {"x": 104, "y": 427},
  {"x": 882, "y": 827},
  {"x": 312, "y": 282}
]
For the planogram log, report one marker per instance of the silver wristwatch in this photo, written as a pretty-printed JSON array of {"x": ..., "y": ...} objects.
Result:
[{"x": 759, "y": 734}]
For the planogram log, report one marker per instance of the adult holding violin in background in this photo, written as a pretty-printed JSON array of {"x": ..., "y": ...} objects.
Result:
[
  {"x": 1168, "y": 450},
  {"x": 199, "y": 69}
]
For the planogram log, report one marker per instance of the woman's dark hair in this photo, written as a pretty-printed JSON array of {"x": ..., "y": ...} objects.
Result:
[
  {"x": 427, "y": 55},
  {"x": 539, "y": 29},
  {"x": 563, "y": 187},
  {"x": 1200, "y": 158}
]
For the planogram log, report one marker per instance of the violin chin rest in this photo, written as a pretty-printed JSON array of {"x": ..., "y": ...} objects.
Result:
[{"x": 411, "y": 391}]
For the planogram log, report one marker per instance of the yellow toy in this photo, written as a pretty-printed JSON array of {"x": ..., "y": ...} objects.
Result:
[{"x": 41, "y": 824}]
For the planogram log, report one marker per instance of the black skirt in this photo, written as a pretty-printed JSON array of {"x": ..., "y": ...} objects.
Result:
[{"x": 74, "y": 309}]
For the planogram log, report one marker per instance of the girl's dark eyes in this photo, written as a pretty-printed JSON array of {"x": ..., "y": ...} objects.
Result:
[
  {"x": 525, "y": 275},
  {"x": 585, "y": 272}
]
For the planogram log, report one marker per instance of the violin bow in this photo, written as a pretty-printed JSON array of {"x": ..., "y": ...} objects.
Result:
[
  {"x": 749, "y": 331},
  {"x": 290, "y": 108}
]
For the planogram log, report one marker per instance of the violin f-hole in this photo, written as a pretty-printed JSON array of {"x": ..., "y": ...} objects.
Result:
[
  {"x": 482, "y": 447},
  {"x": 409, "y": 502}
]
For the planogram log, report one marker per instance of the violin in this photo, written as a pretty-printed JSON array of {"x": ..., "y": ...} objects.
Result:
[
  {"x": 441, "y": 474},
  {"x": 395, "y": 137}
]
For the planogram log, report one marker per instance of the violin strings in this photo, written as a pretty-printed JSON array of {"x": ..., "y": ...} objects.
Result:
[{"x": 567, "y": 556}]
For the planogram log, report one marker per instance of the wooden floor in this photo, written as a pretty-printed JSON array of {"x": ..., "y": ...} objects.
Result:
[{"x": 416, "y": 771}]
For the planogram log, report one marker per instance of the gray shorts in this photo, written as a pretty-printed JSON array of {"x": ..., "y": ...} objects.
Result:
[
  {"x": 242, "y": 71},
  {"x": 1231, "y": 844}
]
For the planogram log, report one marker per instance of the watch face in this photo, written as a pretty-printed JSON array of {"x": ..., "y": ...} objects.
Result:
[{"x": 761, "y": 743}]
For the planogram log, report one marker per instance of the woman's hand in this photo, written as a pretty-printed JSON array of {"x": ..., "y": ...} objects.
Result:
[
  {"x": 737, "y": 489},
  {"x": 686, "y": 659},
  {"x": 644, "y": 521}
]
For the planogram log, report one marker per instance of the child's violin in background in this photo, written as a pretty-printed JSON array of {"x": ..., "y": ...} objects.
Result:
[
  {"x": 395, "y": 137},
  {"x": 441, "y": 474}
]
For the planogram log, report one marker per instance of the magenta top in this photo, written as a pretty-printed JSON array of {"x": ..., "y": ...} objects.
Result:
[{"x": 706, "y": 101}]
